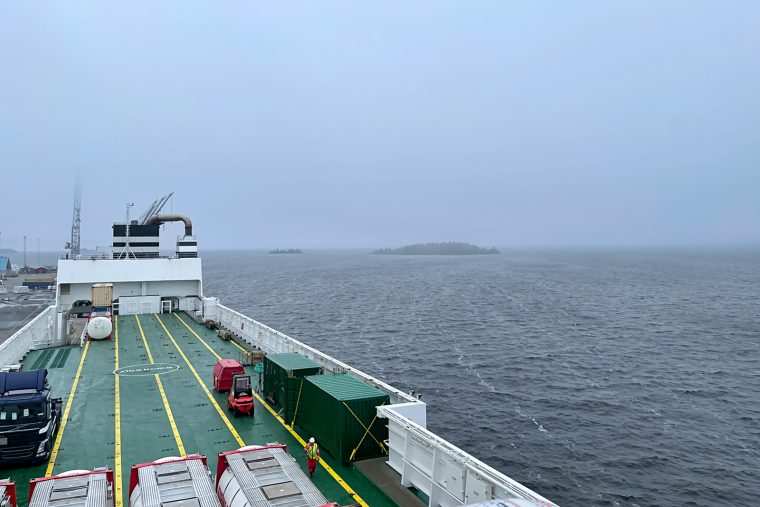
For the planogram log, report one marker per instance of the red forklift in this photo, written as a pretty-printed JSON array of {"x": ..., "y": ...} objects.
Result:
[{"x": 240, "y": 399}]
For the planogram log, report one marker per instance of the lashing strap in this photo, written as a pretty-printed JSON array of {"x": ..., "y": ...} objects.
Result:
[
  {"x": 366, "y": 432},
  {"x": 295, "y": 412}
]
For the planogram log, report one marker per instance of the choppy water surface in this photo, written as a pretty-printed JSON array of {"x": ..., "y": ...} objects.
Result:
[{"x": 596, "y": 378}]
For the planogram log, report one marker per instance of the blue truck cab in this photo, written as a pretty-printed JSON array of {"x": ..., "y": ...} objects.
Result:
[{"x": 29, "y": 417}]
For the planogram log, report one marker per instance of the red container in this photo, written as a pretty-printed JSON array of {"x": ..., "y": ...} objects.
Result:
[{"x": 224, "y": 369}]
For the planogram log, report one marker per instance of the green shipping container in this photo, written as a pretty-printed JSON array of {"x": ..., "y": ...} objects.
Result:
[
  {"x": 283, "y": 376},
  {"x": 336, "y": 409}
]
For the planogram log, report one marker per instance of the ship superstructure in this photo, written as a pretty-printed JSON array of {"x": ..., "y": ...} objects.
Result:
[{"x": 148, "y": 393}]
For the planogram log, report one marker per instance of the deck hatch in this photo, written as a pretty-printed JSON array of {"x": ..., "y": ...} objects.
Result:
[
  {"x": 280, "y": 490},
  {"x": 258, "y": 464},
  {"x": 68, "y": 492},
  {"x": 185, "y": 502},
  {"x": 172, "y": 476}
]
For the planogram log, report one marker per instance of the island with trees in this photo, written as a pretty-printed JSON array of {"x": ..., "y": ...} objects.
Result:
[
  {"x": 447, "y": 248},
  {"x": 288, "y": 251}
]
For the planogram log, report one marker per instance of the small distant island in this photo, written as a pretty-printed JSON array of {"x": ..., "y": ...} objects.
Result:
[
  {"x": 288, "y": 251},
  {"x": 449, "y": 248}
]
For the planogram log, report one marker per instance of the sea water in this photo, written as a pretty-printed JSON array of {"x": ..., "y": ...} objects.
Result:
[{"x": 594, "y": 377}]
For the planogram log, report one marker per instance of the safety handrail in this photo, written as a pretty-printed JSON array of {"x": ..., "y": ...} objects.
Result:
[{"x": 83, "y": 337}]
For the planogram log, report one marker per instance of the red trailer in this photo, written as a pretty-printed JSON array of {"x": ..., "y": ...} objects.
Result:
[
  {"x": 223, "y": 371},
  {"x": 7, "y": 493},
  {"x": 93, "y": 488},
  {"x": 172, "y": 481}
]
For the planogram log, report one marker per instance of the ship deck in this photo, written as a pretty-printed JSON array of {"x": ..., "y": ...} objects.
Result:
[{"x": 139, "y": 416}]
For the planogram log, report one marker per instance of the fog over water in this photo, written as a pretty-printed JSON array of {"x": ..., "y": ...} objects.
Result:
[
  {"x": 607, "y": 356},
  {"x": 347, "y": 124}
]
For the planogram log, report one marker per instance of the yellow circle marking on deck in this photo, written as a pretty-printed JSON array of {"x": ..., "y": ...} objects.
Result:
[
  {"x": 343, "y": 484},
  {"x": 65, "y": 417},
  {"x": 168, "y": 409}
]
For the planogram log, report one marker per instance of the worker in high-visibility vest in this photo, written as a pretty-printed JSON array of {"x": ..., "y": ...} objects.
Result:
[{"x": 312, "y": 455}]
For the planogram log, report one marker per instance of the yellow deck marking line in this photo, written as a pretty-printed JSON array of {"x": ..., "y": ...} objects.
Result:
[
  {"x": 117, "y": 418},
  {"x": 237, "y": 345},
  {"x": 343, "y": 484},
  {"x": 203, "y": 342},
  {"x": 205, "y": 389},
  {"x": 59, "y": 437},
  {"x": 168, "y": 409},
  {"x": 171, "y": 417},
  {"x": 145, "y": 342}
]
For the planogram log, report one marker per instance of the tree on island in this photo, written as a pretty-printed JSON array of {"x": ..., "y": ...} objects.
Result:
[
  {"x": 443, "y": 248},
  {"x": 288, "y": 251}
]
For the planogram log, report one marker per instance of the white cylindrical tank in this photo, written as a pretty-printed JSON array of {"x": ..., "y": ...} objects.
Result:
[
  {"x": 228, "y": 485},
  {"x": 228, "y": 488},
  {"x": 99, "y": 328}
]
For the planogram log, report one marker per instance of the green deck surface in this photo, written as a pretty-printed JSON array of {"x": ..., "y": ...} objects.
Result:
[{"x": 89, "y": 438}]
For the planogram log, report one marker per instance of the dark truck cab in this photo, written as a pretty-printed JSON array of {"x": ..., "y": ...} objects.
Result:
[{"x": 29, "y": 417}]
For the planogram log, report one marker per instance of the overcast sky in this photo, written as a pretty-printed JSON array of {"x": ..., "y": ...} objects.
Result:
[{"x": 372, "y": 124}]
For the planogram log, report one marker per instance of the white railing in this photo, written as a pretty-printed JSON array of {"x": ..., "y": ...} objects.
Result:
[
  {"x": 37, "y": 334},
  {"x": 446, "y": 474},
  {"x": 274, "y": 342}
]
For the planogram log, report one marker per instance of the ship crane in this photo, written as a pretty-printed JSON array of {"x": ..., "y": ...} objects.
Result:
[
  {"x": 155, "y": 208},
  {"x": 76, "y": 223}
]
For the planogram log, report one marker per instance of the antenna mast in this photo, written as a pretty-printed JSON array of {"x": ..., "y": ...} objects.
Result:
[{"x": 125, "y": 252}]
